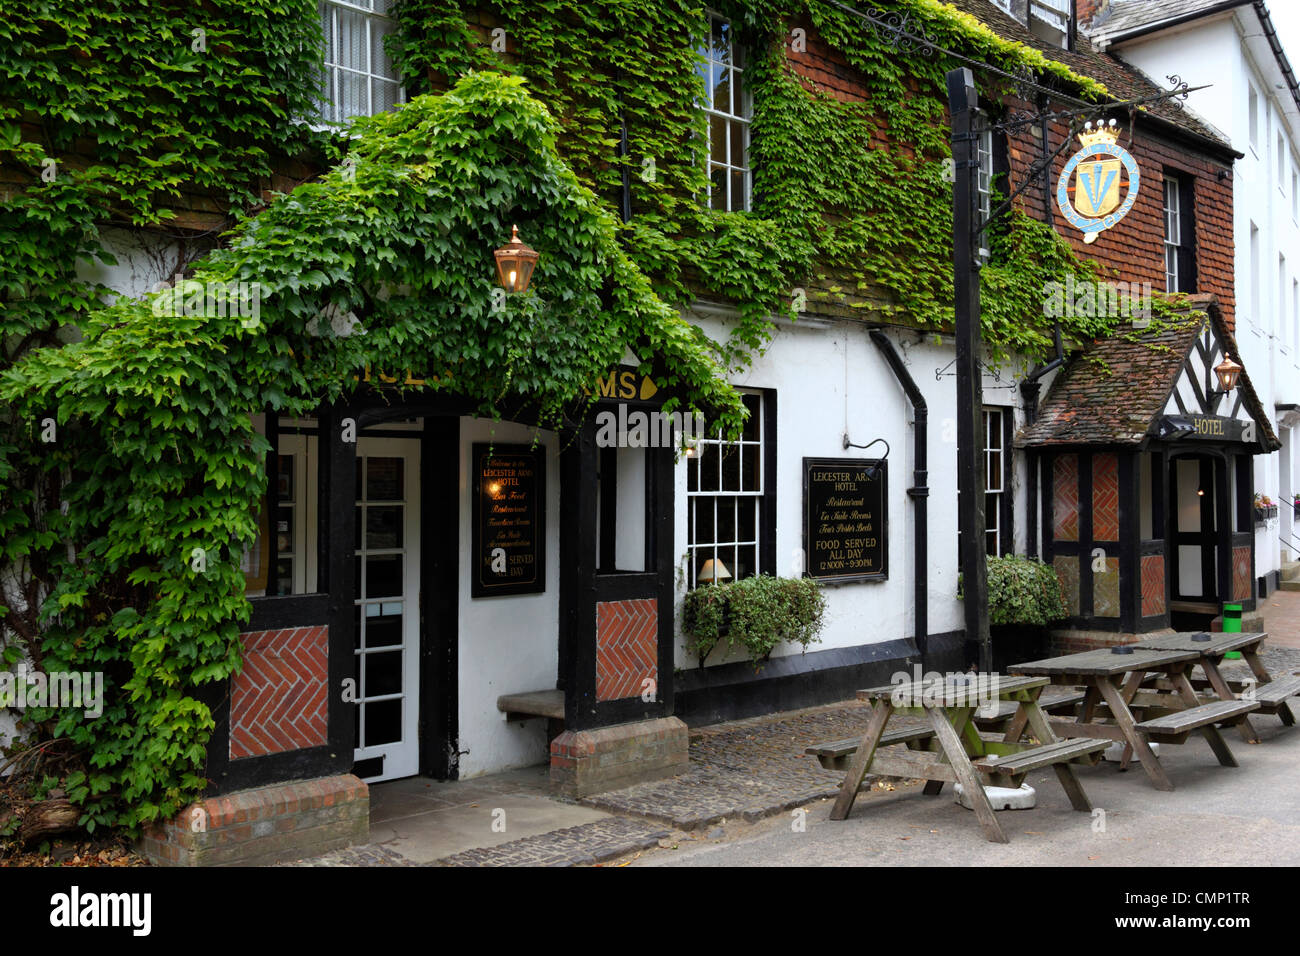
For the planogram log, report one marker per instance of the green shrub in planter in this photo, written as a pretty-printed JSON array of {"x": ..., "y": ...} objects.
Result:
[
  {"x": 1024, "y": 591},
  {"x": 757, "y": 613}
]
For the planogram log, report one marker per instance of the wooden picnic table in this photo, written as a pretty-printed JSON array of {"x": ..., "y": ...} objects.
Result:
[
  {"x": 1212, "y": 648},
  {"x": 951, "y": 748},
  {"x": 1114, "y": 678}
]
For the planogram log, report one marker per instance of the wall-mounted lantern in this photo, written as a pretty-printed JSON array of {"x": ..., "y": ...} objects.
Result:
[
  {"x": 1228, "y": 372},
  {"x": 515, "y": 262}
]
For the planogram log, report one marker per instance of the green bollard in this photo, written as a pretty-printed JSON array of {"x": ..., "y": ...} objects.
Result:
[{"x": 1232, "y": 625}]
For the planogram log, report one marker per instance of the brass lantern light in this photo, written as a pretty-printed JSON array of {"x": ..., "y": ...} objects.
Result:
[
  {"x": 1228, "y": 371},
  {"x": 515, "y": 262}
]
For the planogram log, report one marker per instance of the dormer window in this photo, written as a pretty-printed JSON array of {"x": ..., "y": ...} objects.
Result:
[{"x": 1049, "y": 20}]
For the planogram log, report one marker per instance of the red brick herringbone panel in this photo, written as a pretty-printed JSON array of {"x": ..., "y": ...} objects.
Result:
[
  {"x": 280, "y": 700},
  {"x": 1241, "y": 589},
  {"x": 627, "y": 647},
  {"x": 1153, "y": 585},
  {"x": 1105, "y": 497},
  {"x": 1065, "y": 486}
]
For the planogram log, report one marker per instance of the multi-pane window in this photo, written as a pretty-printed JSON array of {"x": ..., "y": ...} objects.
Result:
[
  {"x": 994, "y": 482},
  {"x": 725, "y": 488},
  {"x": 997, "y": 476},
  {"x": 359, "y": 78},
  {"x": 284, "y": 558},
  {"x": 984, "y": 156},
  {"x": 1256, "y": 297},
  {"x": 728, "y": 106},
  {"x": 1173, "y": 232},
  {"x": 1281, "y": 163},
  {"x": 1295, "y": 190},
  {"x": 1280, "y": 308}
]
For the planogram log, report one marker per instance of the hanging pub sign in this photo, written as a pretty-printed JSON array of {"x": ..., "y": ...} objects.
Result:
[
  {"x": 1098, "y": 171},
  {"x": 509, "y": 520},
  {"x": 845, "y": 530}
]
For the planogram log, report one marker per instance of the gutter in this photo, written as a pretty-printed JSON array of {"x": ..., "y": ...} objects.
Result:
[{"x": 919, "y": 491}]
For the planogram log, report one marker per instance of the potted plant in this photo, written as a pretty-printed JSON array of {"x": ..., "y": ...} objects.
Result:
[
  {"x": 1295, "y": 505},
  {"x": 1025, "y": 596},
  {"x": 1264, "y": 508},
  {"x": 756, "y": 613}
]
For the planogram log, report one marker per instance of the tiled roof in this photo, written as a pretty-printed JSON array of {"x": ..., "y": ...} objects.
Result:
[
  {"x": 1125, "y": 15},
  {"x": 1124, "y": 81},
  {"x": 1114, "y": 390}
]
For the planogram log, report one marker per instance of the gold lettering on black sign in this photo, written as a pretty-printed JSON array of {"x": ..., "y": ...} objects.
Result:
[
  {"x": 509, "y": 520},
  {"x": 845, "y": 522}
]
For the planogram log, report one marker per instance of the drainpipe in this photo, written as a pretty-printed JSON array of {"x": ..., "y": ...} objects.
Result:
[{"x": 919, "y": 491}]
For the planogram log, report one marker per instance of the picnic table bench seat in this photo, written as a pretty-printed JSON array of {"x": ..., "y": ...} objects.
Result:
[
  {"x": 1174, "y": 726},
  {"x": 1043, "y": 755},
  {"x": 835, "y": 754},
  {"x": 1272, "y": 696},
  {"x": 1007, "y": 709}
]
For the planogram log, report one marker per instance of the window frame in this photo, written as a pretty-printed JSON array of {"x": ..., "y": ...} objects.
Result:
[
  {"x": 1184, "y": 250},
  {"x": 764, "y": 498},
  {"x": 330, "y": 111},
  {"x": 742, "y": 98},
  {"x": 1003, "y": 523}
]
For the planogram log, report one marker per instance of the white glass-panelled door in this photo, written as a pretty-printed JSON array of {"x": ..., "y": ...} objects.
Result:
[{"x": 387, "y": 582}]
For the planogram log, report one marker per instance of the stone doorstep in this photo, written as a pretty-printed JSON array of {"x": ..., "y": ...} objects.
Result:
[{"x": 264, "y": 825}]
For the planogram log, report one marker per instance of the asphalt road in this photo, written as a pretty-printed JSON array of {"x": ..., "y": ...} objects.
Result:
[{"x": 1246, "y": 815}]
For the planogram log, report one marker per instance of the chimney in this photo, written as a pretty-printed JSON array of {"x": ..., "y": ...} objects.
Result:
[{"x": 1088, "y": 11}]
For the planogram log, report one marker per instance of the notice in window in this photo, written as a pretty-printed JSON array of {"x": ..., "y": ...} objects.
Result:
[
  {"x": 845, "y": 519},
  {"x": 509, "y": 520}
]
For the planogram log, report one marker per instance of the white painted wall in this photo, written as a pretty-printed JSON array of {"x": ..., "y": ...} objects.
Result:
[
  {"x": 832, "y": 379},
  {"x": 1228, "y": 51},
  {"x": 507, "y": 644}
]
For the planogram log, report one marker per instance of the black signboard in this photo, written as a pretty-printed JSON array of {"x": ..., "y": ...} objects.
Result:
[
  {"x": 509, "y": 520},
  {"x": 845, "y": 522},
  {"x": 1205, "y": 428}
]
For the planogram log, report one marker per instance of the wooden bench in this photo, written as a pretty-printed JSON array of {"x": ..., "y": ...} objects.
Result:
[
  {"x": 533, "y": 703},
  {"x": 1272, "y": 697},
  {"x": 1175, "y": 726},
  {"x": 1043, "y": 755},
  {"x": 1007, "y": 709},
  {"x": 836, "y": 754}
]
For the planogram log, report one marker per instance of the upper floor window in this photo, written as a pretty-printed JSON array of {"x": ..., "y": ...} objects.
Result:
[
  {"x": 998, "y": 472},
  {"x": 1180, "y": 233},
  {"x": 1295, "y": 190},
  {"x": 729, "y": 109},
  {"x": 984, "y": 155},
  {"x": 359, "y": 77},
  {"x": 1281, "y": 163}
]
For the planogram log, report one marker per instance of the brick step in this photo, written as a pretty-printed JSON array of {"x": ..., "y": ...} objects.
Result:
[
  {"x": 1290, "y": 586},
  {"x": 1290, "y": 571}
]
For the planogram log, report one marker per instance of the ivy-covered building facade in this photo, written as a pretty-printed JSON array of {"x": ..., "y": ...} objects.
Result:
[{"x": 425, "y": 536}]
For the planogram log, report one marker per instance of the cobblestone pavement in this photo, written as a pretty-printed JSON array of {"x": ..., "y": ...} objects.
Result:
[
  {"x": 575, "y": 846},
  {"x": 744, "y": 770},
  {"x": 372, "y": 854}
]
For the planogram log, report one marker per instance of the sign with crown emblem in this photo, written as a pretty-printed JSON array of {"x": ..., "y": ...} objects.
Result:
[{"x": 1097, "y": 171}]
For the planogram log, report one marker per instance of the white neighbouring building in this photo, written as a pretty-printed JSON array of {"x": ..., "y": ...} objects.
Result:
[{"x": 1253, "y": 97}]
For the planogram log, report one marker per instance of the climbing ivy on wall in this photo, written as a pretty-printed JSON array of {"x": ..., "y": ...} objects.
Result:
[{"x": 154, "y": 454}]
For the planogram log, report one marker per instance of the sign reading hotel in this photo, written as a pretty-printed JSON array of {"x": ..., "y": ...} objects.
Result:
[
  {"x": 1097, "y": 171},
  {"x": 845, "y": 531},
  {"x": 509, "y": 520}
]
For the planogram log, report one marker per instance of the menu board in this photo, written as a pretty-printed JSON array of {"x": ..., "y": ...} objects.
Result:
[
  {"x": 845, "y": 531},
  {"x": 509, "y": 520}
]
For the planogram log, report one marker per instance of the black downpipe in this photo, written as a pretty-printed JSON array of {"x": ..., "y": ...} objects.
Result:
[{"x": 919, "y": 490}]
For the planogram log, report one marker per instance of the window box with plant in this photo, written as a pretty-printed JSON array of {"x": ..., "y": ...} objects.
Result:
[
  {"x": 1024, "y": 598},
  {"x": 756, "y": 613},
  {"x": 1264, "y": 509}
]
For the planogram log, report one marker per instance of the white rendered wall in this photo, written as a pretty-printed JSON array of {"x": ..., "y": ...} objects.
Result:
[
  {"x": 832, "y": 380},
  {"x": 507, "y": 644}
]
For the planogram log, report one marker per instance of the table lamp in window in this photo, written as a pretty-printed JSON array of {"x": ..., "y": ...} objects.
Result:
[{"x": 713, "y": 572}]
